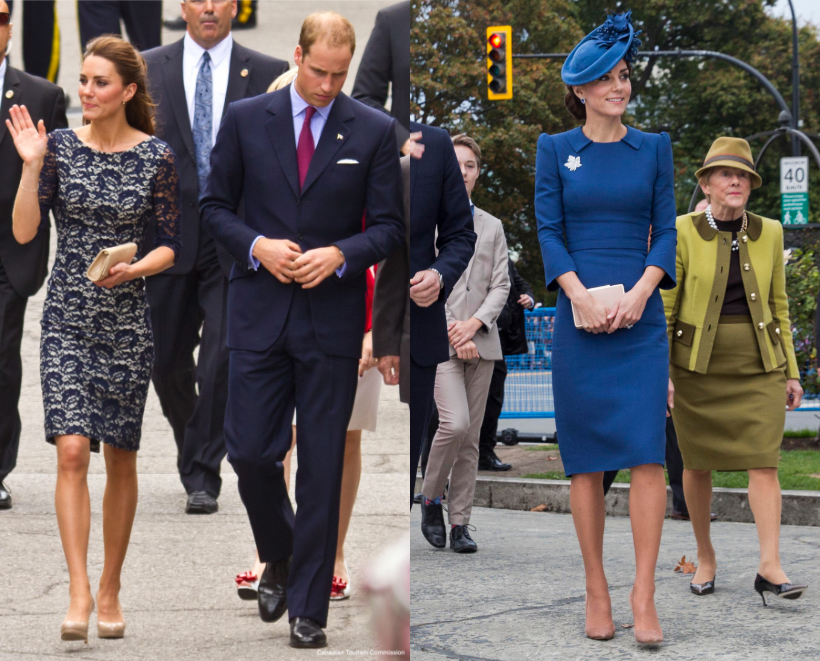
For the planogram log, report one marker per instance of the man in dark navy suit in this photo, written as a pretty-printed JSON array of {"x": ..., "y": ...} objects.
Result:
[
  {"x": 306, "y": 161},
  {"x": 188, "y": 301},
  {"x": 441, "y": 245}
]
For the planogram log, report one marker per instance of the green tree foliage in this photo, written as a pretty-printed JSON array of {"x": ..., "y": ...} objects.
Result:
[
  {"x": 802, "y": 283},
  {"x": 695, "y": 100}
]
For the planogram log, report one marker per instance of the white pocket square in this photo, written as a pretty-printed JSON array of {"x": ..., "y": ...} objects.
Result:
[{"x": 347, "y": 161}]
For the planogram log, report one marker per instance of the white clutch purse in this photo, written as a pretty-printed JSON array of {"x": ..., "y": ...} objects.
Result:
[
  {"x": 609, "y": 295},
  {"x": 107, "y": 258}
]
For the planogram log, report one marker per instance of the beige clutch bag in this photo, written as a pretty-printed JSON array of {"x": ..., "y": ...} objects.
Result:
[
  {"x": 107, "y": 258},
  {"x": 609, "y": 295}
]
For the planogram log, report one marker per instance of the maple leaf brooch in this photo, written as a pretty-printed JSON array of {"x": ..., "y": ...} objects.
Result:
[{"x": 573, "y": 163}]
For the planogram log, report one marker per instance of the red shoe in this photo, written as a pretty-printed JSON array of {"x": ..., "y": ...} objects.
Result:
[
  {"x": 340, "y": 589},
  {"x": 247, "y": 584}
]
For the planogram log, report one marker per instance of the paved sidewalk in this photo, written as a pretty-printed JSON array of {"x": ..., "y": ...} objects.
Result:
[{"x": 522, "y": 595}]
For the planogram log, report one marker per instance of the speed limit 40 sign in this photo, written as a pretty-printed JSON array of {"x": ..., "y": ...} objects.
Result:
[{"x": 794, "y": 190}]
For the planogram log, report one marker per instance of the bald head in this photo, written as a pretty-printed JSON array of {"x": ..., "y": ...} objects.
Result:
[
  {"x": 5, "y": 32},
  {"x": 329, "y": 28}
]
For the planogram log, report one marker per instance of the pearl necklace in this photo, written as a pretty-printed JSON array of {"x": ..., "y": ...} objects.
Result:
[{"x": 713, "y": 225}]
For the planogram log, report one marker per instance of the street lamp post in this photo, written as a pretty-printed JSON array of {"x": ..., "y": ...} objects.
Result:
[{"x": 795, "y": 84}]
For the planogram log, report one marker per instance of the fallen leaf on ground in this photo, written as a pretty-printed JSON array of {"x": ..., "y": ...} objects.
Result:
[
  {"x": 540, "y": 508},
  {"x": 627, "y": 626},
  {"x": 552, "y": 458},
  {"x": 815, "y": 475},
  {"x": 685, "y": 566}
]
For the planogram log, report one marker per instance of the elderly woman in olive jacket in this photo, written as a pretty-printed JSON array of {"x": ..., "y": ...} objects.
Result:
[{"x": 733, "y": 370}]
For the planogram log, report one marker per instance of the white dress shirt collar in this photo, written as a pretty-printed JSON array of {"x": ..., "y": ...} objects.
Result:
[
  {"x": 299, "y": 104},
  {"x": 3, "y": 73},
  {"x": 218, "y": 53}
]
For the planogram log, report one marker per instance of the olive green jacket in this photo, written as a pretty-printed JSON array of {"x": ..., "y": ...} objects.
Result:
[{"x": 693, "y": 306}]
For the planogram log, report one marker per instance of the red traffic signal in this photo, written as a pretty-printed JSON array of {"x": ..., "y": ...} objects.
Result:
[{"x": 499, "y": 62}]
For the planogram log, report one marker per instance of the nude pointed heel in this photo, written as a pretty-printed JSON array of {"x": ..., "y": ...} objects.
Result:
[
  {"x": 73, "y": 630},
  {"x": 599, "y": 632},
  {"x": 110, "y": 629},
  {"x": 645, "y": 636}
]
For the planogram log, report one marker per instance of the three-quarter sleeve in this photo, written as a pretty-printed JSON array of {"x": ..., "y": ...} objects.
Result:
[
  {"x": 49, "y": 180},
  {"x": 664, "y": 235},
  {"x": 549, "y": 213},
  {"x": 167, "y": 207}
]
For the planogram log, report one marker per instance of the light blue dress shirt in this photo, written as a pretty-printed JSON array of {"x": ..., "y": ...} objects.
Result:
[{"x": 317, "y": 125}]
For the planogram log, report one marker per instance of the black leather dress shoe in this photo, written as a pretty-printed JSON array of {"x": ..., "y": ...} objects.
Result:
[
  {"x": 305, "y": 632},
  {"x": 432, "y": 525},
  {"x": 492, "y": 463},
  {"x": 178, "y": 24},
  {"x": 460, "y": 540},
  {"x": 201, "y": 502},
  {"x": 418, "y": 498},
  {"x": 272, "y": 592},
  {"x": 5, "y": 497}
]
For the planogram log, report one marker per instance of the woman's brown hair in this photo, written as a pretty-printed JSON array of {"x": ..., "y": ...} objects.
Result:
[
  {"x": 139, "y": 111},
  {"x": 573, "y": 103}
]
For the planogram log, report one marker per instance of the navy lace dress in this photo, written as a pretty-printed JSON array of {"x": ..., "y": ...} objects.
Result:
[{"x": 96, "y": 350}]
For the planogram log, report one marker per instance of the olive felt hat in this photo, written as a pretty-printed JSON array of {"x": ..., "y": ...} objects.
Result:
[
  {"x": 599, "y": 52},
  {"x": 732, "y": 153}
]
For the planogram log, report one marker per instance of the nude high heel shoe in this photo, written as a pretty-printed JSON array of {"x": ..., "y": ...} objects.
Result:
[
  {"x": 73, "y": 630},
  {"x": 645, "y": 636},
  {"x": 110, "y": 629},
  {"x": 598, "y": 632}
]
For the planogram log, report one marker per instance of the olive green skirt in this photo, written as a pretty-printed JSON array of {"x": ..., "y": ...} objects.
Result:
[{"x": 731, "y": 418}]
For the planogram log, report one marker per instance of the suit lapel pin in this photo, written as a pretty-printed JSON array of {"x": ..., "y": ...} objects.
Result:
[
  {"x": 244, "y": 73},
  {"x": 339, "y": 136},
  {"x": 9, "y": 94}
]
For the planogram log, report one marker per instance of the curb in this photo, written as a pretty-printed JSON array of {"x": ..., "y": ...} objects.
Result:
[{"x": 800, "y": 508}]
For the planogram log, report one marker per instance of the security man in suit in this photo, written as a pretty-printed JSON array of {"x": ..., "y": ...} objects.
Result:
[
  {"x": 22, "y": 267},
  {"x": 462, "y": 382},
  {"x": 386, "y": 60},
  {"x": 192, "y": 82},
  {"x": 142, "y": 18},
  {"x": 41, "y": 38},
  {"x": 441, "y": 245}
]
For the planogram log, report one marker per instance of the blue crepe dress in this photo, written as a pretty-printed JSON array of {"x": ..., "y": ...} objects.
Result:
[{"x": 595, "y": 204}]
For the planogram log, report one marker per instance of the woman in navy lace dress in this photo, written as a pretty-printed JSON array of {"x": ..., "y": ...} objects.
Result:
[{"x": 105, "y": 183}]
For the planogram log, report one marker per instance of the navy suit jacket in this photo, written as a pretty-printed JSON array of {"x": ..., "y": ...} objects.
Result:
[
  {"x": 255, "y": 158},
  {"x": 438, "y": 201}
]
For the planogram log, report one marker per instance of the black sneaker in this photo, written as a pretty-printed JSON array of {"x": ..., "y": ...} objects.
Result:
[
  {"x": 432, "y": 524},
  {"x": 460, "y": 540}
]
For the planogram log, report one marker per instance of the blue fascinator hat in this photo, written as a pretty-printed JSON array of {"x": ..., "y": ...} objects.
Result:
[{"x": 598, "y": 52}]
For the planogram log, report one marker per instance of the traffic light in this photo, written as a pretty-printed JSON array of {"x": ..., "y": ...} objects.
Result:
[{"x": 499, "y": 62}]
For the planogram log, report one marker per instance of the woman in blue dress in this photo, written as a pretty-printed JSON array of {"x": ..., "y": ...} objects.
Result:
[
  {"x": 105, "y": 182},
  {"x": 598, "y": 191}
]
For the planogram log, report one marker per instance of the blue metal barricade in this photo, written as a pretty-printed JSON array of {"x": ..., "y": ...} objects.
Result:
[{"x": 528, "y": 389}]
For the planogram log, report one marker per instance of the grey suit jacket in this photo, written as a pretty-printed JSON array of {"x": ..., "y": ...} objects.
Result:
[
  {"x": 391, "y": 301},
  {"x": 482, "y": 289}
]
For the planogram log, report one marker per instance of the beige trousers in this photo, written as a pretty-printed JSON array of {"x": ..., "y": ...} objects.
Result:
[{"x": 461, "y": 397}]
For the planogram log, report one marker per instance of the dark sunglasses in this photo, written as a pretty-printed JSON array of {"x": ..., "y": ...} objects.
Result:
[{"x": 4, "y": 18}]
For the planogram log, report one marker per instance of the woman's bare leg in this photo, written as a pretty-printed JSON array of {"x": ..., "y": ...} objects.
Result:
[
  {"x": 119, "y": 507},
  {"x": 697, "y": 489},
  {"x": 73, "y": 507},
  {"x": 647, "y": 508},
  {"x": 351, "y": 475},
  {"x": 765, "y": 501},
  {"x": 586, "y": 495}
]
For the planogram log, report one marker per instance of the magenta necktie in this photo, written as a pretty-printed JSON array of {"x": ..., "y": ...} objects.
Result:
[{"x": 305, "y": 148}]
